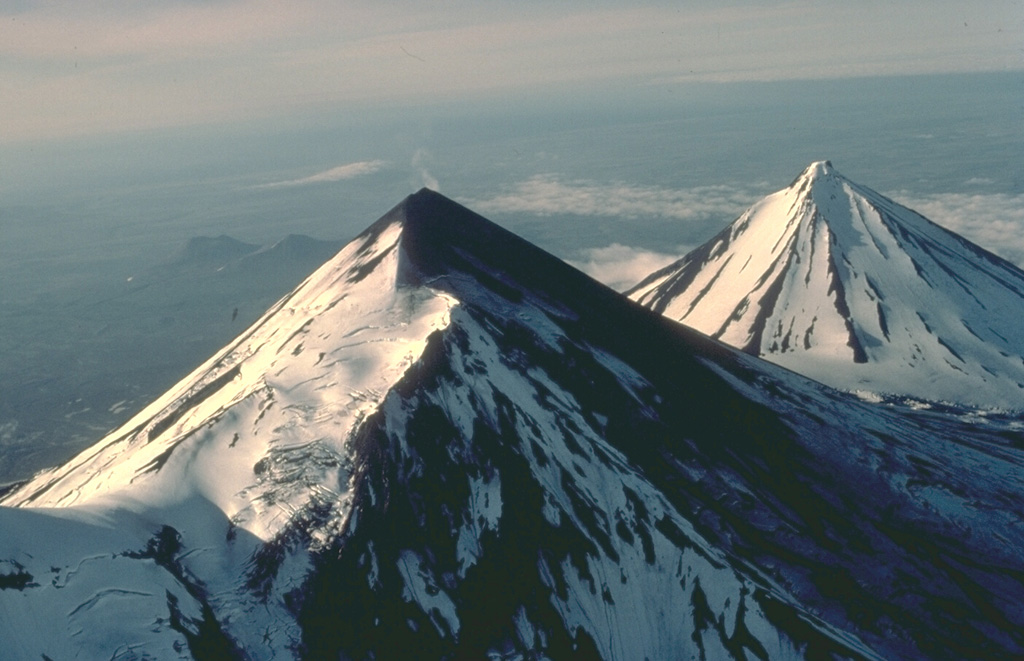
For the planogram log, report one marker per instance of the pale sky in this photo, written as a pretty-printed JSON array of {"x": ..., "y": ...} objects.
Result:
[{"x": 84, "y": 67}]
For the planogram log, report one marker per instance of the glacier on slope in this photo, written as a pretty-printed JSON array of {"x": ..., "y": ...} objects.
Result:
[
  {"x": 839, "y": 283},
  {"x": 447, "y": 443}
]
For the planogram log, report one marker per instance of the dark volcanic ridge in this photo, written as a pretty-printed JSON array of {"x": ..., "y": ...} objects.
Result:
[{"x": 446, "y": 443}]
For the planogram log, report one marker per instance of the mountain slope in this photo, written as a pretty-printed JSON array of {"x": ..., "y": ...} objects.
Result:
[
  {"x": 834, "y": 281},
  {"x": 130, "y": 341},
  {"x": 447, "y": 443}
]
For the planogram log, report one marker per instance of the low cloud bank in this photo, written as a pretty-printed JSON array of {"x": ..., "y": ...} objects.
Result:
[
  {"x": 340, "y": 173},
  {"x": 547, "y": 195},
  {"x": 994, "y": 221},
  {"x": 620, "y": 267}
]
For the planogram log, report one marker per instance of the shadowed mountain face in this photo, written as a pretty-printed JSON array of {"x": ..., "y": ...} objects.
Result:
[
  {"x": 834, "y": 281},
  {"x": 448, "y": 444}
]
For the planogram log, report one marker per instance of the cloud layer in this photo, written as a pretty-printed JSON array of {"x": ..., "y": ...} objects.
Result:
[
  {"x": 547, "y": 195},
  {"x": 620, "y": 267},
  {"x": 993, "y": 221},
  {"x": 340, "y": 173}
]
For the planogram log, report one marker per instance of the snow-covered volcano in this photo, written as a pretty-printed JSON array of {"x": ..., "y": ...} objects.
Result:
[
  {"x": 837, "y": 282},
  {"x": 447, "y": 443}
]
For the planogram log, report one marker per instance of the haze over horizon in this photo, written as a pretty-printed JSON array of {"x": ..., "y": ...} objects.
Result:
[{"x": 113, "y": 67}]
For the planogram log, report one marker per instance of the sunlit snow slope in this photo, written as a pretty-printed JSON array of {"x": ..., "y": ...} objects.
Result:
[
  {"x": 832, "y": 280},
  {"x": 449, "y": 444},
  {"x": 258, "y": 436}
]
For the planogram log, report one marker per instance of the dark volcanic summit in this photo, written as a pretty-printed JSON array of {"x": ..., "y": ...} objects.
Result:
[{"x": 446, "y": 443}]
